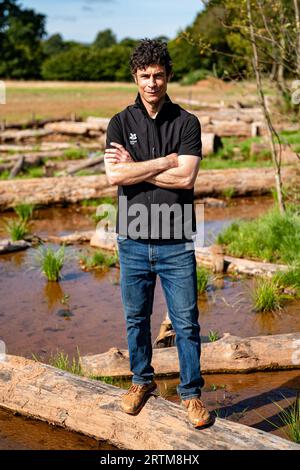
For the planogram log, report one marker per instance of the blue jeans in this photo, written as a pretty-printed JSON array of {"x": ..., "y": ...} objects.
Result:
[{"x": 140, "y": 263}]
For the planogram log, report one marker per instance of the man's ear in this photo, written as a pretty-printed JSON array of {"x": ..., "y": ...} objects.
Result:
[
  {"x": 134, "y": 78},
  {"x": 171, "y": 75}
]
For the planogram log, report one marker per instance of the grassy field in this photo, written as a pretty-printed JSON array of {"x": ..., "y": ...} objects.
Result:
[{"x": 61, "y": 99}]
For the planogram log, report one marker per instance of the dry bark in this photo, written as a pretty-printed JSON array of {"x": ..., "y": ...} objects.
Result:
[
  {"x": 230, "y": 354},
  {"x": 93, "y": 408}
]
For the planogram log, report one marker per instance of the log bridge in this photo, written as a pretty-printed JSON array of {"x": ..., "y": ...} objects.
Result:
[{"x": 92, "y": 408}]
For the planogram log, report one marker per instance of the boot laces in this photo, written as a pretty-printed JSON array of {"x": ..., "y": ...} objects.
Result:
[
  {"x": 134, "y": 388},
  {"x": 195, "y": 404}
]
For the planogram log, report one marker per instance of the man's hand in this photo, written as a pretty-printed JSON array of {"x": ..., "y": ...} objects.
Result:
[
  {"x": 172, "y": 159},
  {"x": 118, "y": 154}
]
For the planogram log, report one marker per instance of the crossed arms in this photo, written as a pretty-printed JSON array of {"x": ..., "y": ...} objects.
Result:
[{"x": 171, "y": 171}]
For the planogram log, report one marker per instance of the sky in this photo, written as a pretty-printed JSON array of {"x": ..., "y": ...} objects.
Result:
[{"x": 80, "y": 20}]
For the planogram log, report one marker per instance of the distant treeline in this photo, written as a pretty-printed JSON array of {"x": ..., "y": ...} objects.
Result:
[{"x": 204, "y": 47}]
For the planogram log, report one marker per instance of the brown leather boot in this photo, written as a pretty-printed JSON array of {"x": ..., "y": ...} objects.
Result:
[
  {"x": 198, "y": 414},
  {"x": 135, "y": 398}
]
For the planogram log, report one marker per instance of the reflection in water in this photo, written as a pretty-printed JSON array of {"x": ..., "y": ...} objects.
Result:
[{"x": 53, "y": 293}]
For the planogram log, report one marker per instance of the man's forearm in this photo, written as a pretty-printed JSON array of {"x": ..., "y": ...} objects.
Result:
[
  {"x": 173, "y": 178},
  {"x": 123, "y": 174}
]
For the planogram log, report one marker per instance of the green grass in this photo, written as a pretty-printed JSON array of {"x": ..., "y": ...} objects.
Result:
[
  {"x": 34, "y": 172},
  {"x": 16, "y": 229},
  {"x": 4, "y": 175},
  {"x": 24, "y": 211},
  {"x": 75, "y": 153},
  {"x": 229, "y": 192},
  {"x": 51, "y": 262},
  {"x": 289, "y": 417},
  {"x": 272, "y": 237},
  {"x": 267, "y": 296},
  {"x": 61, "y": 361},
  {"x": 202, "y": 280},
  {"x": 290, "y": 137},
  {"x": 213, "y": 335},
  {"x": 99, "y": 259},
  {"x": 290, "y": 278},
  {"x": 97, "y": 202},
  {"x": 117, "y": 381},
  {"x": 236, "y": 154}
]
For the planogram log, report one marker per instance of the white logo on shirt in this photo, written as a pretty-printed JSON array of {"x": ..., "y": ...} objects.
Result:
[{"x": 132, "y": 139}]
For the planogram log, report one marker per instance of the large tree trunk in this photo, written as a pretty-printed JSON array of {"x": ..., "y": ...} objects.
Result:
[
  {"x": 93, "y": 408},
  {"x": 246, "y": 181},
  {"x": 230, "y": 354}
]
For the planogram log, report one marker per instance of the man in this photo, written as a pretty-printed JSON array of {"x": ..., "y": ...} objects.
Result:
[{"x": 153, "y": 153}]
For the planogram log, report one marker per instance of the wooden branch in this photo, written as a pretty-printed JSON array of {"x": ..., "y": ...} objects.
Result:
[
  {"x": 87, "y": 163},
  {"x": 230, "y": 354},
  {"x": 93, "y": 408},
  {"x": 17, "y": 167}
]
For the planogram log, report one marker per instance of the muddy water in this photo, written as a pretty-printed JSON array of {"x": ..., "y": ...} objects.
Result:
[
  {"x": 251, "y": 399},
  {"x": 20, "y": 433},
  {"x": 34, "y": 318}
]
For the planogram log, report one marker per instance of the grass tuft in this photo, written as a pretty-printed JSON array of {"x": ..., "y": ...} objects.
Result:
[
  {"x": 51, "y": 262},
  {"x": 272, "y": 237},
  {"x": 202, "y": 279}
]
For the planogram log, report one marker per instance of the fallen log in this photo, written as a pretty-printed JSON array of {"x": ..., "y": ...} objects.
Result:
[
  {"x": 233, "y": 128},
  {"x": 78, "y": 128},
  {"x": 24, "y": 134},
  {"x": 68, "y": 127},
  {"x": 48, "y": 146},
  {"x": 206, "y": 256},
  {"x": 288, "y": 156},
  {"x": 93, "y": 408},
  {"x": 211, "y": 143},
  {"x": 246, "y": 181},
  {"x": 230, "y": 354},
  {"x": 243, "y": 181},
  {"x": 8, "y": 246},
  {"x": 54, "y": 190},
  {"x": 99, "y": 122},
  {"x": 247, "y": 115},
  {"x": 71, "y": 239}
]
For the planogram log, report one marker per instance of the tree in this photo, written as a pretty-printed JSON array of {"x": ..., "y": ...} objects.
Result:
[
  {"x": 54, "y": 45},
  {"x": 105, "y": 38},
  {"x": 271, "y": 31},
  {"x": 21, "y": 31}
]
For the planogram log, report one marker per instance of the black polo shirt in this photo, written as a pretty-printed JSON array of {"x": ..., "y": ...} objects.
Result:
[{"x": 174, "y": 130}]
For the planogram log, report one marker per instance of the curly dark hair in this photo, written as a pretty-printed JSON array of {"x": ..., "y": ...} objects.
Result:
[{"x": 148, "y": 52}]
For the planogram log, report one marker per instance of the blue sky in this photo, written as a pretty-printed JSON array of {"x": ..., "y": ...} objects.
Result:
[{"x": 82, "y": 19}]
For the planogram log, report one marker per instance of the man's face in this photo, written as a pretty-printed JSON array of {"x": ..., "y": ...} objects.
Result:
[{"x": 152, "y": 83}]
